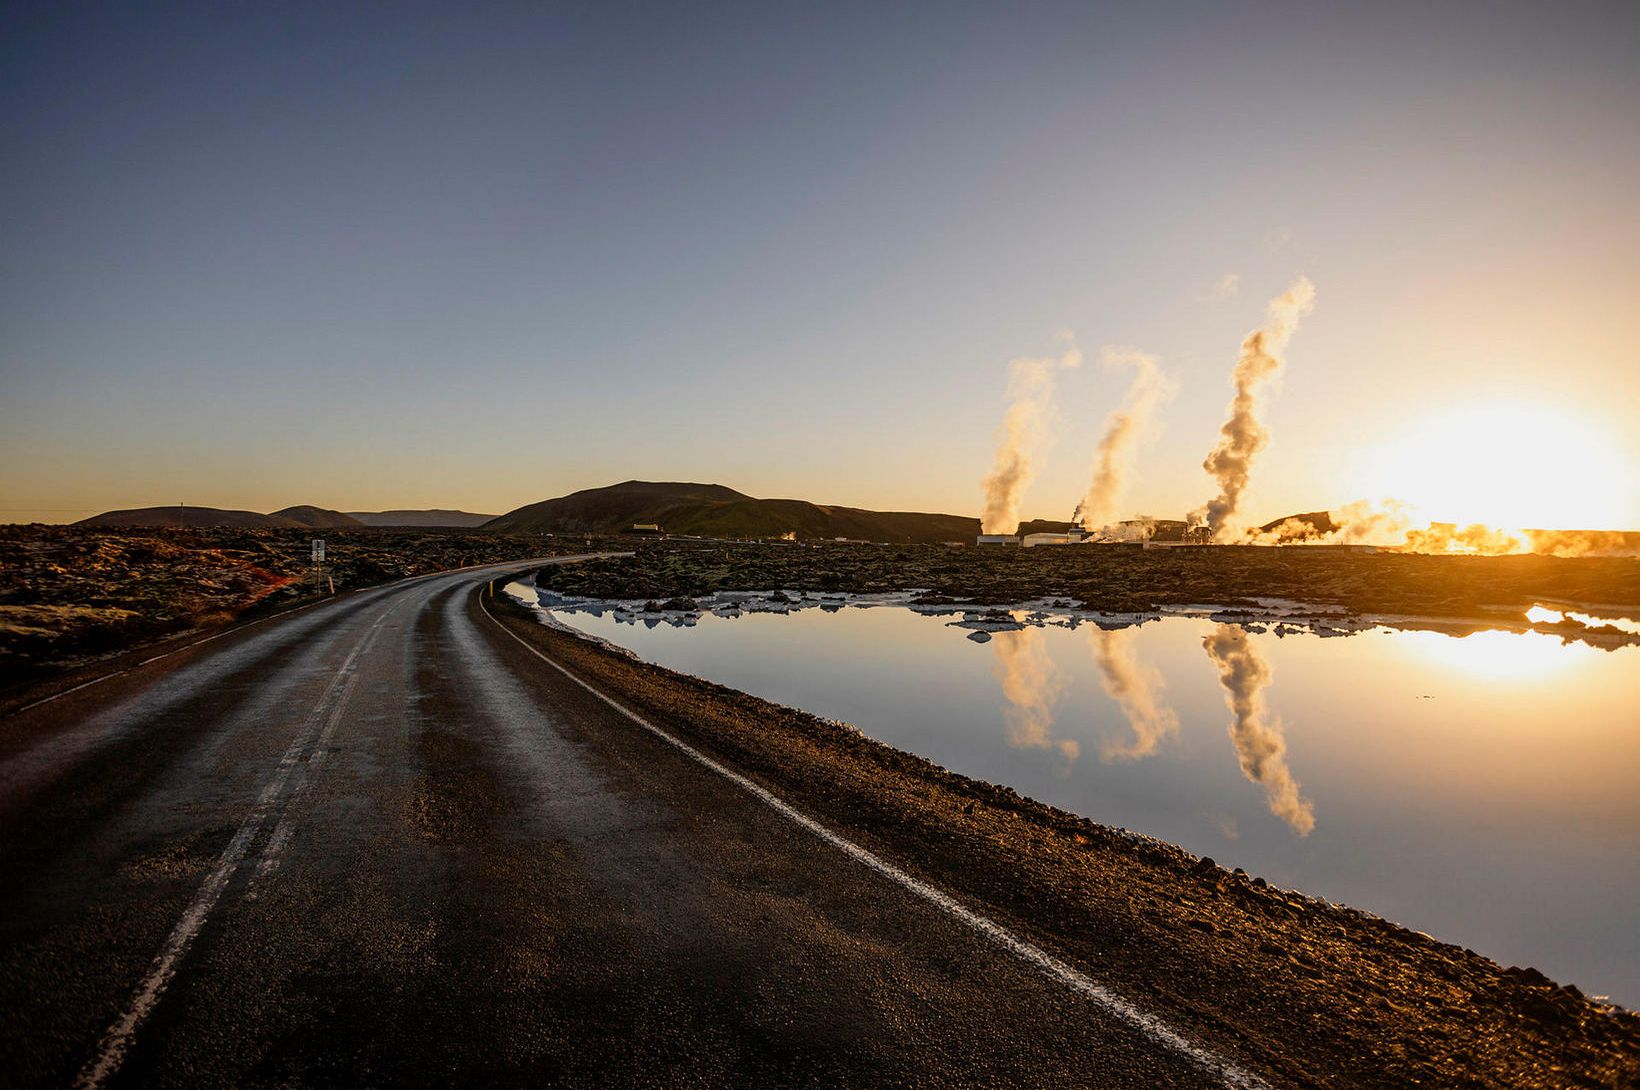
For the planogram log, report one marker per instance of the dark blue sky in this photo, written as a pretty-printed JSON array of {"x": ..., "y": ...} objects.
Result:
[{"x": 480, "y": 254}]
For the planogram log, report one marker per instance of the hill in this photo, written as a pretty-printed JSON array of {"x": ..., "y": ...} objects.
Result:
[
  {"x": 426, "y": 518},
  {"x": 305, "y": 515},
  {"x": 713, "y": 510},
  {"x": 188, "y": 516},
  {"x": 1298, "y": 527},
  {"x": 318, "y": 518}
]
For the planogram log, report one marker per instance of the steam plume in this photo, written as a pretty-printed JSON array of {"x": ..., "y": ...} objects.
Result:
[
  {"x": 1030, "y": 392},
  {"x": 1243, "y": 435},
  {"x": 1124, "y": 430},
  {"x": 1257, "y": 736},
  {"x": 1139, "y": 528},
  {"x": 1367, "y": 523},
  {"x": 1031, "y": 687},
  {"x": 1477, "y": 537},
  {"x": 1391, "y": 524},
  {"x": 1137, "y": 690},
  {"x": 1585, "y": 542},
  {"x": 1359, "y": 523}
]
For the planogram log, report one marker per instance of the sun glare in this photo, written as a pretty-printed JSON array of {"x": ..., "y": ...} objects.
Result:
[
  {"x": 1501, "y": 657},
  {"x": 1508, "y": 464}
]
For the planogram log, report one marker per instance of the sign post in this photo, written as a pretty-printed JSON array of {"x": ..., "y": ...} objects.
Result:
[{"x": 318, "y": 561}]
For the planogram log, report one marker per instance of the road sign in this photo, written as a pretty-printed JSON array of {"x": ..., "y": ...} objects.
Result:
[{"x": 318, "y": 550}]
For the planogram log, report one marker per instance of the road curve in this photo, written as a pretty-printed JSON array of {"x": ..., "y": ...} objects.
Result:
[{"x": 381, "y": 842}]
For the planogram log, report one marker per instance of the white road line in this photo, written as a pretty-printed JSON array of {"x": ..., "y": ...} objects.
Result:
[
  {"x": 273, "y": 850},
  {"x": 271, "y": 855},
  {"x": 112, "y": 1049},
  {"x": 1073, "y": 978},
  {"x": 75, "y": 689}
]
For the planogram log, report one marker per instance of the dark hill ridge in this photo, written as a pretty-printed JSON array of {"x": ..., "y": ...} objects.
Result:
[
  {"x": 305, "y": 515},
  {"x": 319, "y": 518},
  {"x": 617, "y": 507},
  {"x": 177, "y": 516},
  {"x": 1309, "y": 524},
  {"x": 713, "y": 510}
]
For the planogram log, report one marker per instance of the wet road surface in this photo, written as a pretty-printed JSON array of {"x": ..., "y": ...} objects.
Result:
[{"x": 382, "y": 842}]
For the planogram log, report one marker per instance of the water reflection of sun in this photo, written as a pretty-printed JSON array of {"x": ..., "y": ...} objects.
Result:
[{"x": 1497, "y": 656}]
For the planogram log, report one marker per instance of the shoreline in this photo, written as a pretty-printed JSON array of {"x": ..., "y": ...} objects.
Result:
[
  {"x": 1324, "y": 590},
  {"x": 1284, "y": 616},
  {"x": 1231, "y": 951}
]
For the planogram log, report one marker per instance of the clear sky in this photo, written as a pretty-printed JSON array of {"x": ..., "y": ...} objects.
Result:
[{"x": 478, "y": 255}]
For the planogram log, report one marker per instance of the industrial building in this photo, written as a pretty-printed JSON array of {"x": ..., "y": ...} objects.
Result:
[{"x": 1073, "y": 536}]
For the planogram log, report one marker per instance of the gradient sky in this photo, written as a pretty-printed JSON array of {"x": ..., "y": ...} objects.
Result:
[{"x": 478, "y": 255}]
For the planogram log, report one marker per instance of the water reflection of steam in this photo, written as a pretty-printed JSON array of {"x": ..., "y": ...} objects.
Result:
[
  {"x": 1260, "y": 746},
  {"x": 1032, "y": 686},
  {"x": 1136, "y": 689}
]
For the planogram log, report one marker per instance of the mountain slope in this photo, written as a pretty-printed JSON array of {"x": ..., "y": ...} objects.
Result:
[
  {"x": 713, "y": 510},
  {"x": 187, "y": 516},
  {"x": 617, "y": 507},
  {"x": 319, "y": 518}
]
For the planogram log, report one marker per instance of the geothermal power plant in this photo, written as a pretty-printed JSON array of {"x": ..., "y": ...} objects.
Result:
[{"x": 1031, "y": 387}]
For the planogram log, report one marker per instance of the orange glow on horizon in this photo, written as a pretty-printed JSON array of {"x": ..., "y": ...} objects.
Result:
[{"x": 1513, "y": 465}]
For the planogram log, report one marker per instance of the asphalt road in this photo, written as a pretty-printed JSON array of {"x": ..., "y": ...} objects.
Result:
[{"x": 381, "y": 842}]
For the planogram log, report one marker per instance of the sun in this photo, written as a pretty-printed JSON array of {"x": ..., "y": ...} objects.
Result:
[{"x": 1510, "y": 464}]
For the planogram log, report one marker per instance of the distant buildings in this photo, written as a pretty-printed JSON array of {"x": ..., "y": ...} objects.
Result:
[
  {"x": 1073, "y": 536},
  {"x": 997, "y": 539},
  {"x": 644, "y": 528}
]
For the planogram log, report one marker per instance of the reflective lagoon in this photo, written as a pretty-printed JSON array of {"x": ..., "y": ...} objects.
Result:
[{"x": 1483, "y": 788}]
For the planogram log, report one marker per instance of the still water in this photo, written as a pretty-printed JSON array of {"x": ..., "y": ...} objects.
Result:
[{"x": 1484, "y": 789}]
